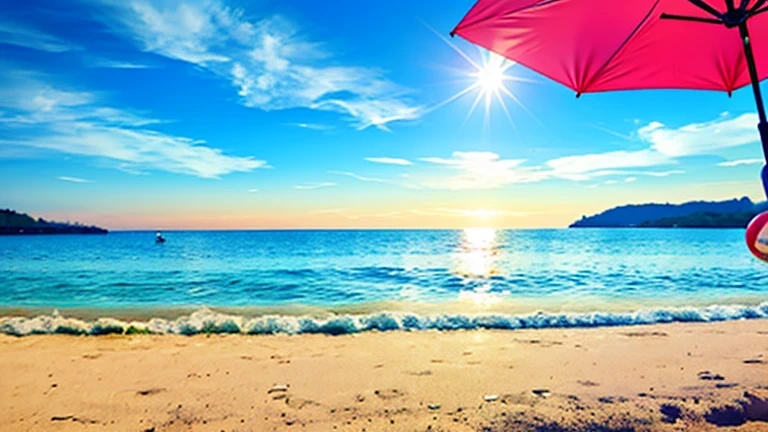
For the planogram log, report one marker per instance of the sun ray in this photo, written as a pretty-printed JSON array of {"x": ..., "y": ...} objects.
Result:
[
  {"x": 521, "y": 79},
  {"x": 455, "y": 48},
  {"x": 520, "y": 104},
  {"x": 503, "y": 106},
  {"x": 454, "y": 97},
  {"x": 487, "y": 115},
  {"x": 506, "y": 111},
  {"x": 474, "y": 105},
  {"x": 490, "y": 76}
]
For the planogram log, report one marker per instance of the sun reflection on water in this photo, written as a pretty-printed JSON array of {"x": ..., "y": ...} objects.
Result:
[
  {"x": 478, "y": 252},
  {"x": 477, "y": 255}
]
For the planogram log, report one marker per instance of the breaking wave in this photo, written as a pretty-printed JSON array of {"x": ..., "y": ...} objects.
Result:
[{"x": 209, "y": 321}]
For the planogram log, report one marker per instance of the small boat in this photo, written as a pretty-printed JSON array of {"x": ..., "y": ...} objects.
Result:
[{"x": 159, "y": 238}]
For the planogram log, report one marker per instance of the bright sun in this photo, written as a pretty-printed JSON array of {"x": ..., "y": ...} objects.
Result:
[{"x": 489, "y": 79}]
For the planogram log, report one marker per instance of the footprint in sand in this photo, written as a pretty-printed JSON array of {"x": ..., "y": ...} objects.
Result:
[
  {"x": 588, "y": 383},
  {"x": 645, "y": 334},
  {"x": 539, "y": 342},
  {"x": 298, "y": 403},
  {"x": 612, "y": 399},
  {"x": 91, "y": 356},
  {"x": 709, "y": 376},
  {"x": 73, "y": 419},
  {"x": 387, "y": 394},
  {"x": 149, "y": 392}
]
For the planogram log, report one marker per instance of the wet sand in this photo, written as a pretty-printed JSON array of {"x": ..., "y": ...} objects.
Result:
[{"x": 709, "y": 376}]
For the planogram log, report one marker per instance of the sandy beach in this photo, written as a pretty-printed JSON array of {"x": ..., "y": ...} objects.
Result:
[{"x": 660, "y": 377}]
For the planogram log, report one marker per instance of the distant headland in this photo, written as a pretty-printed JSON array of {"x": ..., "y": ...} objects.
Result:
[
  {"x": 14, "y": 223},
  {"x": 735, "y": 213}
]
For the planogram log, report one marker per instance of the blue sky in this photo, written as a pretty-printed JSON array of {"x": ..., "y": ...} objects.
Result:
[{"x": 267, "y": 114}]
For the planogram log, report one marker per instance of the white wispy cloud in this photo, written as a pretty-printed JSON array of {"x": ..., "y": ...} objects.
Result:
[
  {"x": 253, "y": 190},
  {"x": 312, "y": 126},
  {"x": 130, "y": 169},
  {"x": 73, "y": 179},
  {"x": 23, "y": 35},
  {"x": 487, "y": 170},
  {"x": 701, "y": 138},
  {"x": 580, "y": 167},
  {"x": 612, "y": 132},
  {"x": 665, "y": 147},
  {"x": 45, "y": 117},
  {"x": 359, "y": 177},
  {"x": 116, "y": 64},
  {"x": 268, "y": 61},
  {"x": 664, "y": 173},
  {"x": 389, "y": 161},
  {"x": 734, "y": 163},
  {"x": 481, "y": 170},
  {"x": 314, "y": 185}
]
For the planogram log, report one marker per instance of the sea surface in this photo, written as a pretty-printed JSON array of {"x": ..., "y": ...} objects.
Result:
[{"x": 349, "y": 281}]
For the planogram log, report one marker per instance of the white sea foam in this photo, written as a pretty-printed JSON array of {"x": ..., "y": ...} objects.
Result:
[{"x": 208, "y": 321}]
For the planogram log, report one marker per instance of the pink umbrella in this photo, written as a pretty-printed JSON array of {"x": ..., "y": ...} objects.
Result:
[{"x": 604, "y": 45}]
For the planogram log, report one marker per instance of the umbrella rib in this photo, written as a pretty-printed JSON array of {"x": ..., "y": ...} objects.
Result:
[
  {"x": 757, "y": 6},
  {"x": 743, "y": 5},
  {"x": 765, "y": 9},
  {"x": 701, "y": 4},
  {"x": 690, "y": 18},
  {"x": 618, "y": 50}
]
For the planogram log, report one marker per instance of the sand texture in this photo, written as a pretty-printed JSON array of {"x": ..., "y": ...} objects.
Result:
[{"x": 697, "y": 377}]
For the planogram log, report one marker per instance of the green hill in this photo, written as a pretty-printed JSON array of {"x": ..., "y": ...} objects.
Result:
[
  {"x": 735, "y": 213},
  {"x": 703, "y": 220},
  {"x": 13, "y": 222}
]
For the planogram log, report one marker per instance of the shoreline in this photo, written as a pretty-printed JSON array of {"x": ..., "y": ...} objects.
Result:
[
  {"x": 203, "y": 320},
  {"x": 697, "y": 376}
]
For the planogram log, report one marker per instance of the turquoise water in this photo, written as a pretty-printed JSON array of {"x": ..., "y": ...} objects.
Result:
[{"x": 251, "y": 277}]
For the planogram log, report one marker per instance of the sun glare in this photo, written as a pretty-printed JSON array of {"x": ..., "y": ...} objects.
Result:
[
  {"x": 490, "y": 79},
  {"x": 477, "y": 254}
]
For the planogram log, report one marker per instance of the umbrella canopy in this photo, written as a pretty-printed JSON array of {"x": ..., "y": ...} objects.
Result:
[{"x": 604, "y": 45}]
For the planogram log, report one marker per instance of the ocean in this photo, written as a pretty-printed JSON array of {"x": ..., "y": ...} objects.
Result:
[{"x": 350, "y": 281}]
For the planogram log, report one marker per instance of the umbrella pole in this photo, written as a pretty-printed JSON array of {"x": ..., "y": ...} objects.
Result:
[{"x": 754, "y": 77}]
